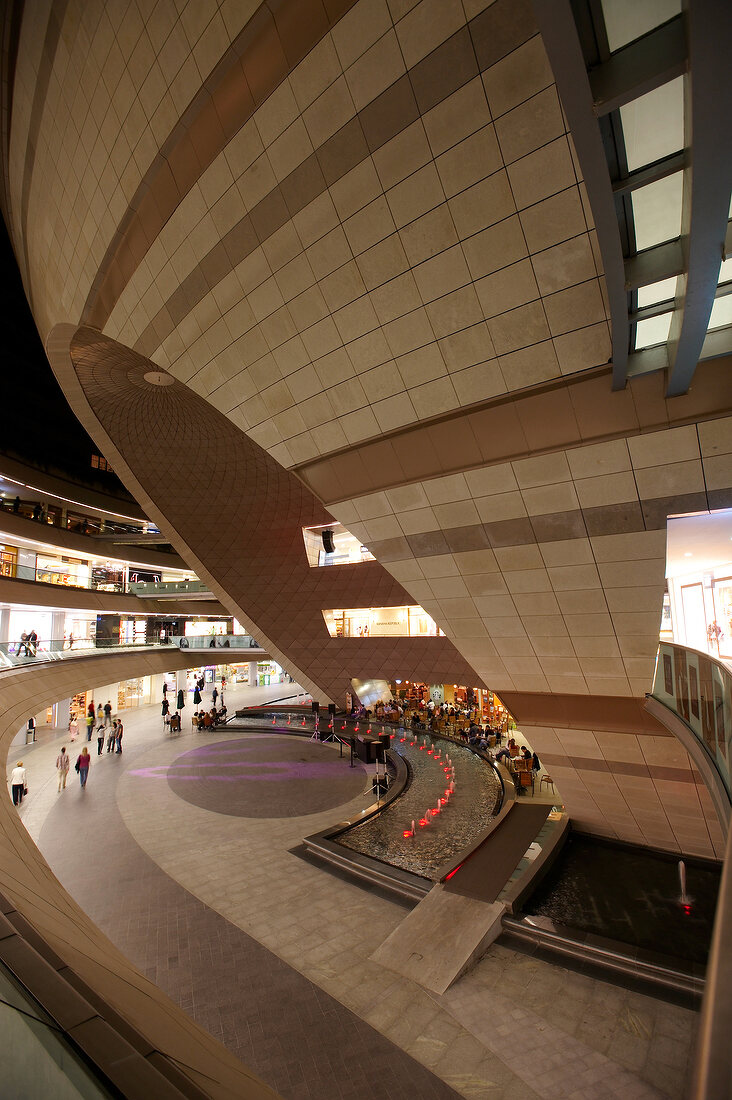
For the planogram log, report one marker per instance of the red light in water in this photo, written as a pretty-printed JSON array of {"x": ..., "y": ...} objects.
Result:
[
  {"x": 343, "y": 726},
  {"x": 391, "y": 735},
  {"x": 687, "y": 910},
  {"x": 446, "y": 769},
  {"x": 423, "y": 821},
  {"x": 443, "y": 802},
  {"x": 421, "y": 748},
  {"x": 453, "y": 872},
  {"x": 303, "y": 721},
  {"x": 429, "y": 752},
  {"x": 407, "y": 832},
  {"x": 436, "y": 810}
]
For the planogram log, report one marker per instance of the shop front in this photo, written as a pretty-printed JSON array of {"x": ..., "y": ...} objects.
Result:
[
  {"x": 69, "y": 572},
  {"x": 381, "y": 622},
  {"x": 8, "y": 560}
]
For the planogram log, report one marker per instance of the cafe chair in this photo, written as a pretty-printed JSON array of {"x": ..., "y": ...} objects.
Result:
[{"x": 548, "y": 780}]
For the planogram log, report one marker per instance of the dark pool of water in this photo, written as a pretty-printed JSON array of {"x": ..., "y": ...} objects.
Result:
[{"x": 630, "y": 895}]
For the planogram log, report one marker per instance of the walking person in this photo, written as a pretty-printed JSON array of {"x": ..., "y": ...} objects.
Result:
[
  {"x": 165, "y": 710},
  {"x": 89, "y": 726},
  {"x": 100, "y": 740},
  {"x": 165, "y": 689},
  {"x": 74, "y": 727},
  {"x": 82, "y": 766},
  {"x": 120, "y": 731},
  {"x": 196, "y": 696},
  {"x": 108, "y": 713},
  {"x": 214, "y": 695},
  {"x": 62, "y": 767},
  {"x": 18, "y": 783},
  {"x": 100, "y": 715}
]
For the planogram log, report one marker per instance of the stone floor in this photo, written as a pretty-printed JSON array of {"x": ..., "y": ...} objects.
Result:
[{"x": 272, "y": 953}]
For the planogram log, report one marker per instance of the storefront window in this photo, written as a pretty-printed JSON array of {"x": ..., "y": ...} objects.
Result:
[
  {"x": 70, "y": 572},
  {"x": 381, "y": 622},
  {"x": 8, "y": 559}
]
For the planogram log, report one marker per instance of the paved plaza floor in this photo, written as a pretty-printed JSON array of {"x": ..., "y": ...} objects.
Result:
[{"x": 184, "y": 850}]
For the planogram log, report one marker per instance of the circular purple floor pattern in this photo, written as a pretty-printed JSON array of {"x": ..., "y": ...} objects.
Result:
[{"x": 265, "y": 776}]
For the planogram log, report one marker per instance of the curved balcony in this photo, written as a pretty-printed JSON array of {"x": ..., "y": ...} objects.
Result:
[{"x": 692, "y": 697}]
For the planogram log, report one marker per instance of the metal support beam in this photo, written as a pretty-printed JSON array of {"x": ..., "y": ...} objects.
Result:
[
  {"x": 663, "y": 261},
  {"x": 561, "y": 41},
  {"x": 640, "y": 67},
  {"x": 709, "y": 178},
  {"x": 648, "y": 360},
  {"x": 650, "y": 173}
]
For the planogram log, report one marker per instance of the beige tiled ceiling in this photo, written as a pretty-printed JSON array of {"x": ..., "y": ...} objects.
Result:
[
  {"x": 404, "y": 205},
  {"x": 547, "y": 572}
]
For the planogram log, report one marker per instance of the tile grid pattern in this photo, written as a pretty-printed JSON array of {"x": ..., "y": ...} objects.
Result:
[
  {"x": 317, "y": 325},
  {"x": 238, "y": 517}
]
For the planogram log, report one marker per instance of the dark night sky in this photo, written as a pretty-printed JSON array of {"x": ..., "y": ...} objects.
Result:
[{"x": 38, "y": 426}]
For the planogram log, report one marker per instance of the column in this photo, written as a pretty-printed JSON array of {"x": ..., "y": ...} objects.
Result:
[
  {"x": 5, "y": 624},
  {"x": 252, "y": 674}
]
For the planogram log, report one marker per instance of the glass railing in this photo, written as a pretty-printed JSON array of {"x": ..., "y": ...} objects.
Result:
[
  {"x": 698, "y": 689},
  {"x": 215, "y": 641},
  {"x": 28, "y": 651},
  {"x": 167, "y": 588},
  {"x": 67, "y": 578},
  {"x": 54, "y": 516}
]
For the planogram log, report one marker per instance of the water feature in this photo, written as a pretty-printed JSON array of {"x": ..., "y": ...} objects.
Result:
[
  {"x": 631, "y": 895},
  {"x": 455, "y": 827}
]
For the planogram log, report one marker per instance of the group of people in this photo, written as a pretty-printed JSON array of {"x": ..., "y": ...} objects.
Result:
[
  {"x": 208, "y": 719},
  {"x": 28, "y": 644}
]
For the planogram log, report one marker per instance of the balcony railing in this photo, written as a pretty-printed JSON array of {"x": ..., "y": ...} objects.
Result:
[
  {"x": 25, "y": 652},
  {"x": 215, "y": 641},
  {"x": 168, "y": 588},
  {"x": 698, "y": 689}
]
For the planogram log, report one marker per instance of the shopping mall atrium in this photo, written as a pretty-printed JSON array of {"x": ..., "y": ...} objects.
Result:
[{"x": 366, "y": 549}]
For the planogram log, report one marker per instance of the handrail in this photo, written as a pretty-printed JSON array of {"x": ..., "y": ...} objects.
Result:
[
  {"x": 23, "y": 653},
  {"x": 698, "y": 689},
  {"x": 216, "y": 641}
]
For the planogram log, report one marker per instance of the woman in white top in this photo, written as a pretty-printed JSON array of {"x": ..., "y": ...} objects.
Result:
[{"x": 17, "y": 782}]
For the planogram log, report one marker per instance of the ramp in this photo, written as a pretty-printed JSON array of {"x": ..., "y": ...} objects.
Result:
[{"x": 440, "y": 938}]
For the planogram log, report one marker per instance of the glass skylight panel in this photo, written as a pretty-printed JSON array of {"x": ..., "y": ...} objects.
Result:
[
  {"x": 653, "y": 124},
  {"x": 721, "y": 312},
  {"x": 626, "y": 20},
  {"x": 652, "y": 331},
  {"x": 657, "y": 211},
  {"x": 656, "y": 292}
]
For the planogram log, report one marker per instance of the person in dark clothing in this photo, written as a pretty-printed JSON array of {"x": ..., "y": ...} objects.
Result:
[
  {"x": 181, "y": 699},
  {"x": 16, "y": 505}
]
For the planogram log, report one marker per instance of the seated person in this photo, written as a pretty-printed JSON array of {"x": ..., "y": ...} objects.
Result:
[
  {"x": 513, "y": 749},
  {"x": 195, "y": 720},
  {"x": 526, "y": 754},
  {"x": 207, "y": 721},
  {"x": 502, "y": 754}
]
